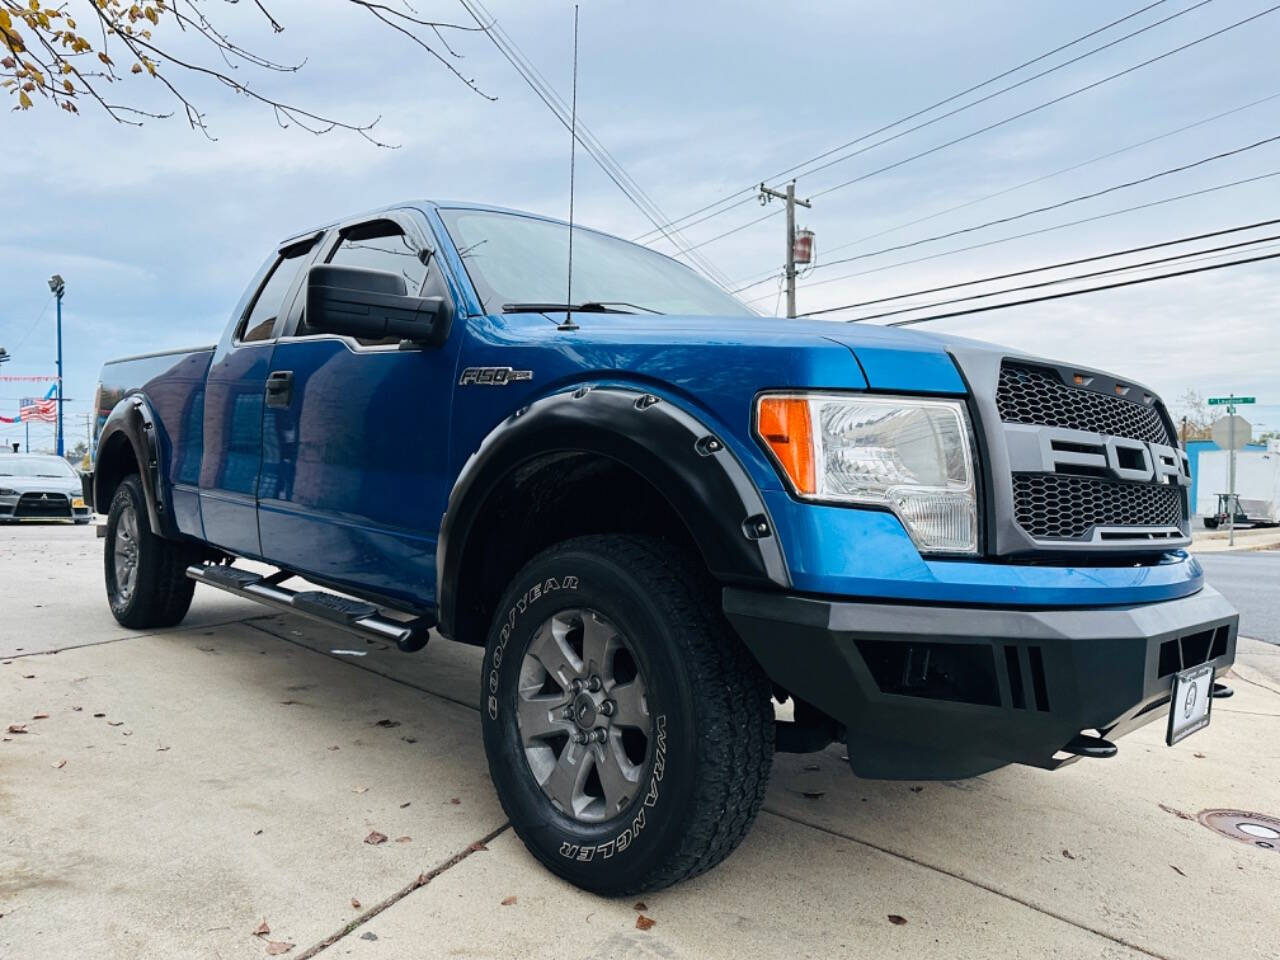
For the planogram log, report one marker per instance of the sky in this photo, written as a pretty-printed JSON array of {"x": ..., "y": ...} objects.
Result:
[{"x": 157, "y": 229}]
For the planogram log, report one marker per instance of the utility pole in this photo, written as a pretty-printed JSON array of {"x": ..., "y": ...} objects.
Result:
[
  {"x": 58, "y": 287},
  {"x": 789, "y": 195}
]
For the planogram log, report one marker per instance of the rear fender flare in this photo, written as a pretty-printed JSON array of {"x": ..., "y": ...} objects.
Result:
[
  {"x": 132, "y": 422},
  {"x": 690, "y": 464}
]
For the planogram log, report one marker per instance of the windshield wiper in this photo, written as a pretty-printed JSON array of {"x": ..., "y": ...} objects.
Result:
[{"x": 591, "y": 306}]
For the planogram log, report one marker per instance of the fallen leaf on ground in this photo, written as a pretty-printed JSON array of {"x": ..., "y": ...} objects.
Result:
[
  {"x": 644, "y": 923},
  {"x": 640, "y": 905},
  {"x": 404, "y": 839},
  {"x": 28, "y": 676},
  {"x": 1198, "y": 756},
  {"x": 261, "y": 930},
  {"x": 359, "y": 789},
  {"x": 508, "y": 901},
  {"x": 77, "y": 709},
  {"x": 387, "y": 723},
  {"x": 1176, "y": 812},
  {"x": 115, "y": 723},
  {"x": 915, "y": 790},
  {"x": 335, "y": 747},
  {"x": 375, "y": 838},
  {"x": 455, "y": 801},
  {"x": 1068, "y": 854},
  {"x": 1177, "y": 871},
  {"x": 477, "y": 847},
  {"x": 897, "y": 920},
  {"x": 17, "y": 728},
  {"x": 355, "y": 904},
  {"x": 257, "y": 833},
  {"x": 40, "y": 716},
  {"x": 161, "y": 749},
  {"x": 409, "y": 739},
  {"x": 814, "y": 794},
  {"x": 277, "y": 947},
  {"x": 368, "y": 935},
  {"x": 405, "y": 804},
  {"x": 99, "y": 715},
  {"x": 58, "y": 765}
]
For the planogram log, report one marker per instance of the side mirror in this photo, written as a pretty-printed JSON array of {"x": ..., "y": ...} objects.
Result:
[{"x": 356, "y": 302}]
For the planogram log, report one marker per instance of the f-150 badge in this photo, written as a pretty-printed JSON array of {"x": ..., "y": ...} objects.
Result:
[{"x": 493, "y": 376}]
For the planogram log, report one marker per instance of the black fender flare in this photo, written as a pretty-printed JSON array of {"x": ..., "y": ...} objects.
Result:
[
  {"x": 686, "y": 461},
  {"x": 133, "y": 422}
]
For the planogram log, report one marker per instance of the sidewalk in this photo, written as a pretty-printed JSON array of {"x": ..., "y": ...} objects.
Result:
[{"x": 1247, "y": 538}]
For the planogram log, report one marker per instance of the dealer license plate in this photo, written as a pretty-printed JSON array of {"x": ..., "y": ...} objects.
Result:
[{"x": 1192, "y": 697}]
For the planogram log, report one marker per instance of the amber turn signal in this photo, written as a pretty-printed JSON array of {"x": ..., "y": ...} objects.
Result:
[{"x": 785, "y": 425}]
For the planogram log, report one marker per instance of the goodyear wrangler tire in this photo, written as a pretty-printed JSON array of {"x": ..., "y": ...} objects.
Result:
[
  {"x": 146, "y": 575},
  {"x": 629, "y": 732}
]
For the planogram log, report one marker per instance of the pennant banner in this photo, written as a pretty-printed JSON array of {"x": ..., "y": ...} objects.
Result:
[{"x": 16, "y": 379}]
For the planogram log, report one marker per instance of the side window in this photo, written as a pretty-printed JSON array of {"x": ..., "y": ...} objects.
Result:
[
  {"x": 382, "y": 245},
  {"x": 261, "y": 318}
]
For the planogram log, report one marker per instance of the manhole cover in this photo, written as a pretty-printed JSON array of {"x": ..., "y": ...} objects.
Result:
[{"x": 1255, "y": 829}]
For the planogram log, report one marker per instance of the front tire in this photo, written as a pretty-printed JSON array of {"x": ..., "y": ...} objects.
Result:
[
  {"x": 628, "y": 730},
  {"x": 146, "y": 575}
]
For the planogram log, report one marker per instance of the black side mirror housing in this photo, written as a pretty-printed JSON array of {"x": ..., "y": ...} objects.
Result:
[{"x": 357, "y": 302}]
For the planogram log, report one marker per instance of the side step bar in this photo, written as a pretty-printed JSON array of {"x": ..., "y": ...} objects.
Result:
[{"x": 353, "y": 615}]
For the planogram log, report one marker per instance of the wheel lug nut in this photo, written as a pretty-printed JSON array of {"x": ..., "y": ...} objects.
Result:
[
  {"x": 607, "y": 708},
  {"x": 567, "y": 713},
  {"x": 600, "y": 735},
  {"x": 577, "y": 686},
  {"x": 594, "y": 684},
  {"x": 581, "y": 737}
]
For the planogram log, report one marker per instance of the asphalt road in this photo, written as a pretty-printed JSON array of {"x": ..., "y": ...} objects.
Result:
[{"x": 1252, "y": 582}]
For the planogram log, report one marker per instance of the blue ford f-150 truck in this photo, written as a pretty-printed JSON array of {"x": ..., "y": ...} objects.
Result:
[{"x": 659, "y": 514}]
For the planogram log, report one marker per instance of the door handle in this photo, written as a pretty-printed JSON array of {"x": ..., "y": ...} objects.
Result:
[{"x": 280, "y": 388}]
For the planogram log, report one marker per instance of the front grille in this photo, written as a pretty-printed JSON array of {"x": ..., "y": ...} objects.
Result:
[
  {"x": 42, "y": 505},
  {"x": 1064, "y": 507},
  {"x": 1035, "y": 395}
]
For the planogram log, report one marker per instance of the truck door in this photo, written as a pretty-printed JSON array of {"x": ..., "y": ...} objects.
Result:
[
  {"x": 234, "y": 392},
  {"x": 355, "y": 455}
]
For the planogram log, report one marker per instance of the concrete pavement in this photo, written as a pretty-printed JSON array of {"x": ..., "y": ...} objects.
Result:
[{"x": 251, "y": 761}]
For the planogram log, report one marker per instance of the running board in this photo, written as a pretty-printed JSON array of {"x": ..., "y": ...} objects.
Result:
[{"x": 330, "y": 608}]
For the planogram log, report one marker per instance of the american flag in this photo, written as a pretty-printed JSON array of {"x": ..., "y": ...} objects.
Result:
[{"x": 33, "y": 409}]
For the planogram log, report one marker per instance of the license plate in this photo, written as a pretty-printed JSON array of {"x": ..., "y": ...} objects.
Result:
[
  {"x": 78, "y": 502},
  {"x": 1192, "y": 698}
]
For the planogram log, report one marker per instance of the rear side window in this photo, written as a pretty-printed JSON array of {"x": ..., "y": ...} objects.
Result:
[{"x": 270, "y": 299}]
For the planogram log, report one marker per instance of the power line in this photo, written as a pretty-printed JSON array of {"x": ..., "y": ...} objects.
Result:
[
  {"x": 767, "y": 276},
  {"x": 1082, "y": 276},
  {"x": 612, "y": 169},
  {"x": 1061, "y": 203},
  {"x": 1042, "y": 230},
  {"x": 1067, "y": 263},
  {"x": 901, "y": 120},
  {"x": 1069, "y": 293},
  {"x": 999, "y": 123}
]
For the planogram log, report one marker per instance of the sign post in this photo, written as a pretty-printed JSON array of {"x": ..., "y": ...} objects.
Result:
[{"x": 1233, "y": 421}]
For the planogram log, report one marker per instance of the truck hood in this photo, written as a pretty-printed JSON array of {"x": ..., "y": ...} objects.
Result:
[{"x": 886, "y": 358}]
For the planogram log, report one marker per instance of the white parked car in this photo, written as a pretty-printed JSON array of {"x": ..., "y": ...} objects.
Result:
[{"x": 35, "y": 487}]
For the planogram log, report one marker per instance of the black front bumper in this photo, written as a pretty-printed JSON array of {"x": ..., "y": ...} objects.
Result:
[{"x": 931, "y": 692}]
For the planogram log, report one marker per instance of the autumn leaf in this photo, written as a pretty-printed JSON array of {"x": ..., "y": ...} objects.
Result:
[
  {"x": 17, "y": 728},
  {"x": 40, "y": 716},
  {"x": 897, "y": 920},
  {"x": 508, "y": 901},
  {"x": 355, "y": 904},
  {"x": 375, "y": 838},
  {"x": 404, "y": 839},
  {"x": 644, "y": 923},
  {"x": 276, "y": 947},
  {"x": 262, "y": 929},
  {"x": 58, "y": 765},
  {"x": 640, "y": 906}
]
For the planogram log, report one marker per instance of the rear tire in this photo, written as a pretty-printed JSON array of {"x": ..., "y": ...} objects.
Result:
[
  {"x": 675, "y": 714},
  {"x": 146, "y": 575}
]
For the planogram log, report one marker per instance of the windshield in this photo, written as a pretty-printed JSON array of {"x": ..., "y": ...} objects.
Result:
[
  {"x": 523, "y": 260},
  {"x": 35, "y": 467}
]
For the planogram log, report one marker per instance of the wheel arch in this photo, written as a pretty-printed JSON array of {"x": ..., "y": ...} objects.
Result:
[
  {"x": 128, "y": 444},
  {"x": 596, "y": 460}
]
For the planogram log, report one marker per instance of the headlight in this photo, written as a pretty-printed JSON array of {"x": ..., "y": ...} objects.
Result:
[
  {"x": 6, "y": 492},
  {"x": 910, "y": 455}
]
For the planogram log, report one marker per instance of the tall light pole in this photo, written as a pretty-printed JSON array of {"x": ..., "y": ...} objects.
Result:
[{"x": 58, "y": 287}]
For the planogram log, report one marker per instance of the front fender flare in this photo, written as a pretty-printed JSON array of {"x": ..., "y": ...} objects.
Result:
[
  {"x": 132, "y": 422},
  {"x": 687, "y": 462}
]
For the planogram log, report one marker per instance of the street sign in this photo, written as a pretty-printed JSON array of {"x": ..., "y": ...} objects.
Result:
[
  {"x": 1227, "y": 401},
  {"x": 1232, "y": 433}
]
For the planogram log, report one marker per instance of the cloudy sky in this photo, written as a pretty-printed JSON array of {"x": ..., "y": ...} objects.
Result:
[{"x": 157, "y": 229}]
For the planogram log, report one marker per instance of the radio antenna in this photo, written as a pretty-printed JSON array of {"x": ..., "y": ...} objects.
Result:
[{"x": 573, "y": 149}]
